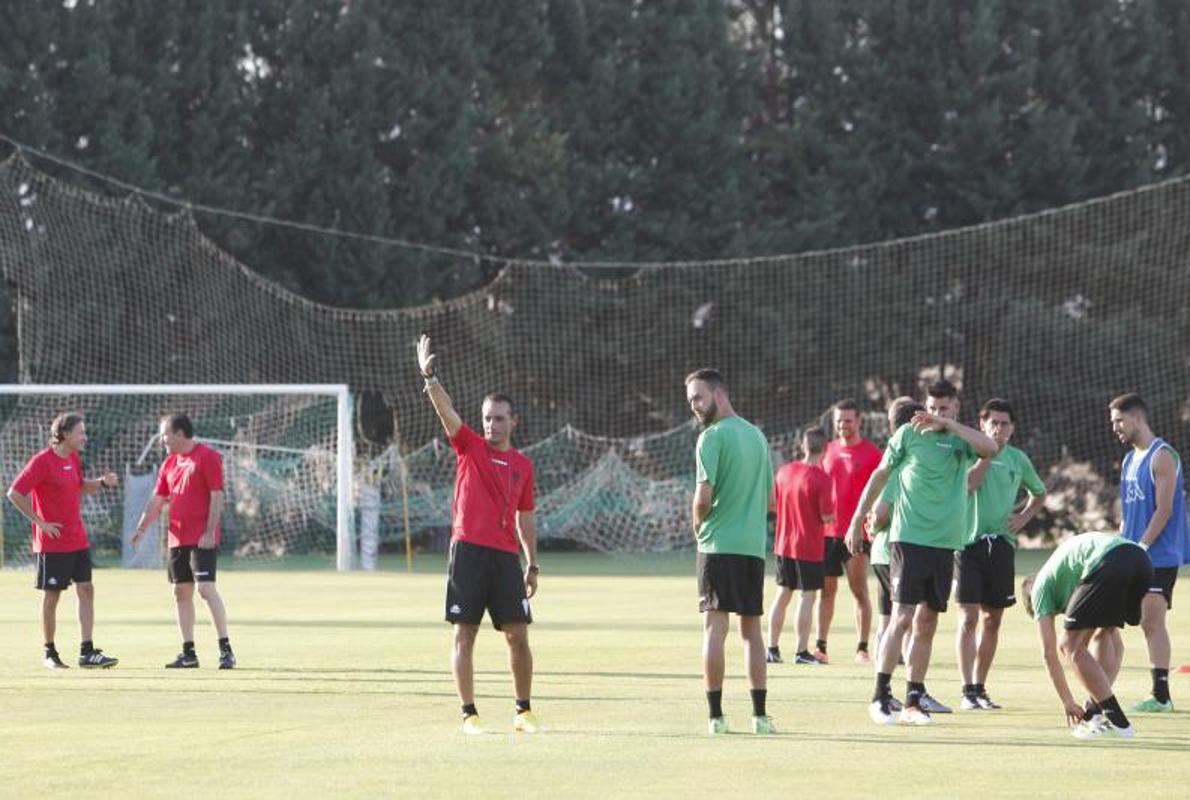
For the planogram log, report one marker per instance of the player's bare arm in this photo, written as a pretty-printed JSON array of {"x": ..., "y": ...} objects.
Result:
[
  {"x": 855, "y": 531},
  {"x": 1018, "y": 521},
  {"x": 25, "y": 506},
  {"x": 1053, "y": 665},
  {"x": 1164, "y": 477},
  {"x": 108, "y": 480},
  {"x": 983, "y": 445},
  {"x": 443, "y": 407},
  {"x": 214, "y": 512},
  {"x": 148, "y": 517},
  {"x": 976, "y": 474},
  {"x": 526, "y": 525},
  {"x": 702, "y": 505}
]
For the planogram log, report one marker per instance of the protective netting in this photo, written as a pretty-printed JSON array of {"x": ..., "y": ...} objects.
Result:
[
  {"x": 1057, "y": 312},
  {"x": 278, "y": 456}
]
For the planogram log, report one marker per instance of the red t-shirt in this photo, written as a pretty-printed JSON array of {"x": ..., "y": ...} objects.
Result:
[
  {"x": 56, "y": 486},
  {"x": 849, "y": 468},
  {"x": 490, "y": 487},
  {"x": 803, "y": 497},
  {"x": 187, "y": 480}
]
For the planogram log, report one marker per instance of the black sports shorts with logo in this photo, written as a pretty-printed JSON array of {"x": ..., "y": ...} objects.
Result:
[
  {"x": 731, "y": 582},
  {"x": 795, "y": 573},
  {"x": 1111, "y": 595},
  {"x": 191, "y": 565},
  {"x": 485, "y": 579},
  {"x": 56, "y": 571},
  {"x": 984, "y": 571},
  {"x": 921, "y": 574}
]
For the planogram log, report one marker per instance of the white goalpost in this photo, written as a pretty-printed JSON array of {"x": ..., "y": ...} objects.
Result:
[{"x": 292, "y": 428}]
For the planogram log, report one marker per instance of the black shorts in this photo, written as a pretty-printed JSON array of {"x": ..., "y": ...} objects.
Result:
[
  {"x": 794, "y": 573},
  {"x": 921, "y": 574},
  {"x": 191, "y": 564},
  {"x": 731, "y": 582},
  {"x": 984, "y": 572},
  {"x": 485, "y": 579},
  {"x": 1111, "y": 595},
  {"x": 835, "y": 556},
  {"x": 884, "y": 596},
  {"x": 1163, "y": 580},
  {"x": 56, "y": 571}
]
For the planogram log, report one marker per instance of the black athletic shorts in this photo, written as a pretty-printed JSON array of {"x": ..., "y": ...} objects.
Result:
[
  {"x": 794, "y": 573},
  {"x": 1163, "y": 580},
  {"x": 191, "y": 564},
  {"x": 884, "y": 596},
  {"x": 731, "y": 582},
  {"x": 1111, "y": 595},
  {"x": 485, "y": 579},
  {"x": 835, "y": 556},
  {"x": 56, "y": 571},
  {"x": 921, "y": 574},
  {"x": 984, "y": 571}
]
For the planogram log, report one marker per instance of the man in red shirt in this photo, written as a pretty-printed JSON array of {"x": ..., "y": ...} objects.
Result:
[
  {"x": 191, "y": 482},
  {"x": 850, "y": 460},
  {"x": 492, "y": 510},
  {"x": 49, "y": 493},
  {"x": 805, "y": 507}
]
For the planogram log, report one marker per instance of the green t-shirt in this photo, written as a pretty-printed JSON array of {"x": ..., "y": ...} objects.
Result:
[
  {"x": 993, "y": 502},
  {"x": 1069, "y": 565},
  {"x": 733, "y": 457},
  {"x": 931, "y": 509},
  {"x": 881, "y": 552}
]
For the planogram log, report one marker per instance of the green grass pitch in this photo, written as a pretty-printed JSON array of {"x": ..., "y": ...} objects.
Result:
[{"x": 344, "y": 690}]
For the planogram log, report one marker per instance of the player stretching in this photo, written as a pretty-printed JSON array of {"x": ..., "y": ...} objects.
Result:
[
  {"x": 492, "y": 508},
  {"x": 1097, "y": 581},
  {"x": 802, "y": 493},
  {"x": 49, "y": 492},
  {"x": 985, "y": 568},
  {"x": 191, "y": 481},
  {"x": 731, "y": 502},
  {"x": 1153, "y": 498}
]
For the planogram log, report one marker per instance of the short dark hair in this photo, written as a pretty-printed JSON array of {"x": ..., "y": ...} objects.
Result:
[
  {"x": 905, "y": 412},
  {"x": 1127, "y": 403},
  {"x": 942, "y": 388},
  {"x": 847, "y": 404},
  {"x": 814, "y": 439},
  {"x": 500, "y": 397},
  {"x": 179, "y": 423},
  {"x": 62, "y": 425},
  {"x": 997, "y": 404},
  {"x": 708, "y": 375}
]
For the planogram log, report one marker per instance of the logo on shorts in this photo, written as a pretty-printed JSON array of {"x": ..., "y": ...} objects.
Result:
[
  {"x": 1010, "y": 598},
  {"x": 455, "y": 609},
  {"x": 1069, "y": 620},
  {"x": 52, "y": 581},
  {"x": 525, "y": 606},
  {"x": 202, "y": 574}
]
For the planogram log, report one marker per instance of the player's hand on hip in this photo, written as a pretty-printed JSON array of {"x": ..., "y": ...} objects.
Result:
[
  {"x": 1015, "y": 523},
  {"x": 207, "y": 541},
  {"x": 425, "y": 358},
  {"x": 51, "y": 529},
  {"x": 530, "y": 583}
]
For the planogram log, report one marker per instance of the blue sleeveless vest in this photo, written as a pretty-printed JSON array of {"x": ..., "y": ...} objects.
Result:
[{"x": 1138, "y": 496}]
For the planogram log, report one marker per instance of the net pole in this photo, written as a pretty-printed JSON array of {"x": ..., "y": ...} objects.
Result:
[
  {"x": 344, "y": 512},
  {"x": 404, "y": 473}
]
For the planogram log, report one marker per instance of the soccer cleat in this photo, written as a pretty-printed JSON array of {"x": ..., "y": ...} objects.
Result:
[
  {"x": 472, "y": 725},
  {"x": 895, "y": 704},
  {"x": 227, "y": 660},
  {"x": 717, "y": 726},
  {"x": 763, "y": 726},
  {"x": 97, "y": 660},
  {"x": 1101, "y": 728},
  {"x": 916, "y": 715},
  {"x": 806, "y": 658},
  {"x": 970, "y": 702},
  {"x": 881, "y": 711},
  {"x": 184, "y": 661},
  {"x": 52, "y": 661},
  {"x": 526, "y": 722},
  {"x": 930, "y": 705},
  {"x": 985, "y": 702},
  {"x": 1151, "y": 705},
  {"x": 862, "y": 658},
  {"x": 821, "y": 657},
  {"x": 773, "y": 656}
]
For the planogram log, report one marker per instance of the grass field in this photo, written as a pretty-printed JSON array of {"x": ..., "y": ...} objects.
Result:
[{"x": 344, "y": 690}]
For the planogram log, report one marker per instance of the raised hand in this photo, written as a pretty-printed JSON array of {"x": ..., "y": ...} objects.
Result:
[{"x": 425, "y": 358}]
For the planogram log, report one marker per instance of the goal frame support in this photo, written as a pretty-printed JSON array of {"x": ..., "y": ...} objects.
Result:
[{"x": 344, "y": 439}]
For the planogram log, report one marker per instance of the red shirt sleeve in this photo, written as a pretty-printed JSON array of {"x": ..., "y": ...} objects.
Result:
[
  {"x": 212, "y": 471},
  {"x": 466, "y": 439},
  {"x": 526, "y": 501},
  {"x": 31, "y": 475}
]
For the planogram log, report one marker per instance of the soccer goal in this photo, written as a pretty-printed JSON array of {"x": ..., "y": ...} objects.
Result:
[{"x": 287, "y": 450}]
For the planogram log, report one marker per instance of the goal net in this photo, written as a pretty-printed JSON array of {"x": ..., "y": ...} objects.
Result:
[{"x": 288, "y": 492}]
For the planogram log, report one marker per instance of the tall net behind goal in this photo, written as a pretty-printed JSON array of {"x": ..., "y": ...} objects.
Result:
[{"x": 281, "y": 470}]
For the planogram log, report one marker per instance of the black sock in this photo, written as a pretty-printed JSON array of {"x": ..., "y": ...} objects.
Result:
[
  {"x": 86, "y": 647},
  {"x": 969, "y": 688},
  {"x": 1090, "y": 709},
  {"x": 883, "y": 685},
  {"x": 1160, "y": 685},
  {"x": 979, "y": 688},
  {"x": 821, "y": 645},
  {"x": 1113, "y": 712},
  {"x": 913, "y": 693},
  {"x": 50, "y": 650},
  {"x": 715, "y": 703},
  {"x": 188, "y": 648},
  {"x": 225, "y": 645},
  {"x": 758, "y": 698},
  {"x": 469, "y": 710},
  {"x": 862, "y": 647},
  {"x": 775, "y": 649},
  {"x": 522, "y": 705}
]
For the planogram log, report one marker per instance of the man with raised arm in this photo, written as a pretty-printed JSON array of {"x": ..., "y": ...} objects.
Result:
[
  {"x": 191, "y": 482},
  {"x": 492, "y": 519},
  {"x": 49, "y": 493},
  {"x": 1153, "y": 505},
  {"x": 732, "y": 497},
  {"x": 933, "y": 454}
]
